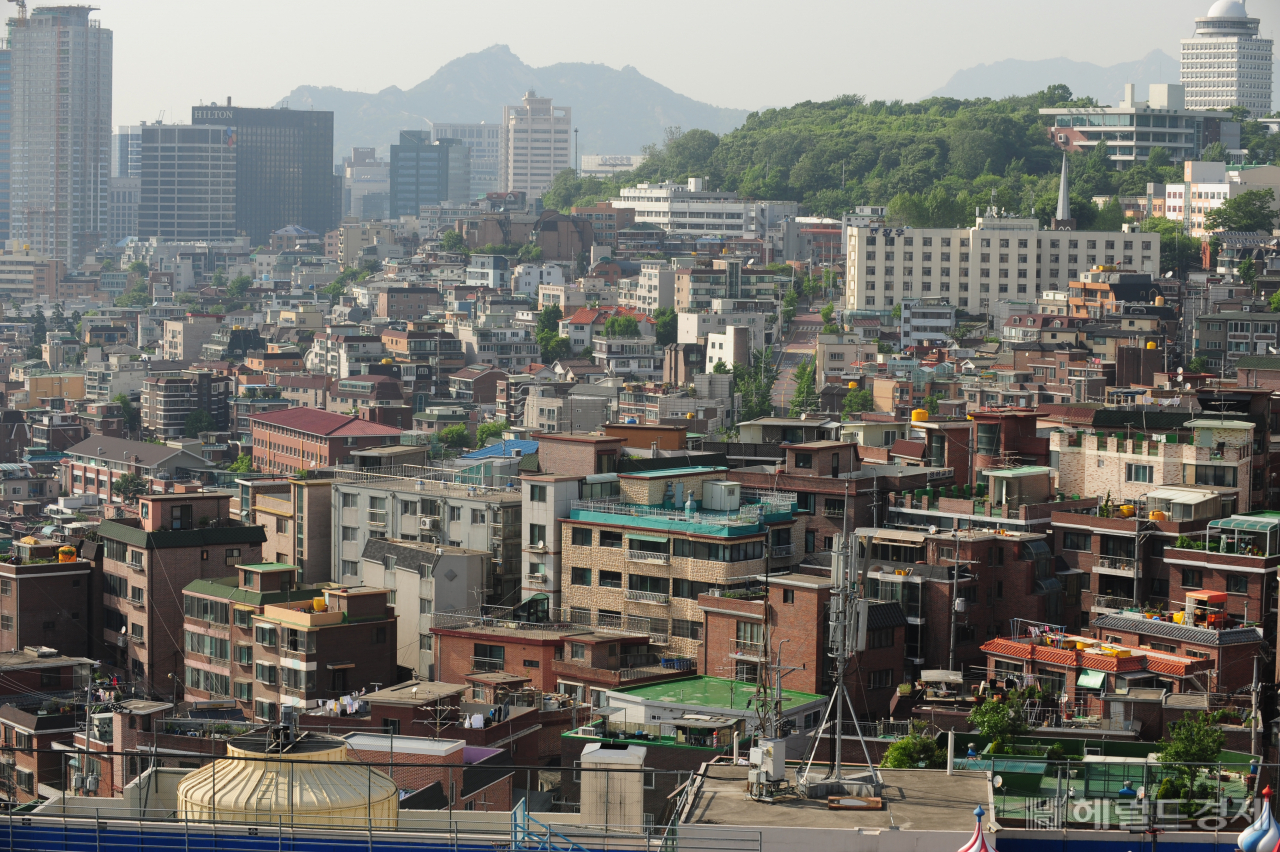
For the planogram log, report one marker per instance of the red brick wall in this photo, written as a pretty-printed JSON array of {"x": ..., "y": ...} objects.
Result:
[
  {"x": 454, "y": 650},
  {"x": 50, "y": 594}
]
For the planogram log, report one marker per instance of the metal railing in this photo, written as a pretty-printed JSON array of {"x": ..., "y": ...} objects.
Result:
[
  {"x": 782, "y": 550},
  {"x": 748, "y": 649},
  {"x": 753, "y": 506},
  {"x": 486, "y": 664},
  {"x": 1116, "y": 563},
  {"x": 540, "y": 579},
  {"x": 1112, "y": 602},
  {"x": 648, "y": 556},
  {"x": 647, "y": 597}
]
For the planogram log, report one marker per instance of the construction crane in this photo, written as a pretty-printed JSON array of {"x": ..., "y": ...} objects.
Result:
[{"x": 22, "y": 9}]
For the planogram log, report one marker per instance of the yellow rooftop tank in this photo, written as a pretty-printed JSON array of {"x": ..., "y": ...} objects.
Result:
[
  {"x": 1151, "y": 344},
  {"x": 269, "y": 774},
  {"x": 1159, "y": 301},
  {"x": 919, "y": 415}
]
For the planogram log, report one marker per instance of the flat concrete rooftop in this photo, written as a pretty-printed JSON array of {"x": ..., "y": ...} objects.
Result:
[{"x": 920, "y": 799}]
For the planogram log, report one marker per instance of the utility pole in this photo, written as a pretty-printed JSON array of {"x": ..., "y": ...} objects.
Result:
[{"x": 955, "y": 582}]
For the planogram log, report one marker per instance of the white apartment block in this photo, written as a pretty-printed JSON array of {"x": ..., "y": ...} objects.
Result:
[
  {"x": 972, "y": 268},
  {"x": 535, "y": 144},
  {"x": 762, "y": 323},
  {"x": 1226, "y": 64},
  {"x": 485, "y": 142},
  {"x": 692, "y": 208},
  {"x": 927, "y": 322},
  {"x": 1207, "y": 186},
  {"x": 528, "y": 277},
  {"x": 653, "y": 288}
]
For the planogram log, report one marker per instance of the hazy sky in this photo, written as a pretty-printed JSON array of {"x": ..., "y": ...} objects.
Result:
[{"x": 172, "y": 54}]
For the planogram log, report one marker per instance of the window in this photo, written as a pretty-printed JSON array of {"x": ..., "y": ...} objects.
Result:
[
  {"x": 1165, "y": 647},
  {"x": 264, "y": 710},
  {"x": 264, "y": 673},
  {"x": 455, "y": 513},
  {"x": 1192, "y": 578},
  {"x": 538, "y": 493},
  {"x": 580, "y": 576},
  {"x": 1074, "y": 540},
  {"x": 350, "y": 534},
  {"x": 6, "y": 622},
  {"x": 116, "y": 550},
  {"x": 249, "y": 579},
  {"x": 137, "y": 631},
  {"x": 243, "y": 690},
  {"x": 204, "y": 609},
  {"x": 244, "y": 655},
  {"x": 880, "y": 638},
  {"x": 788, "y": 596},
  {"x": 882, "y": 679},
  {"x": 349, "y": 501},
  {"x": 264, "y": 635},
  {"x": 685, "y": 629},
  {"x": 232, "y": 556},
  {"x": 611, "y": 579},
  {"x": 610, "y": 539},
  {"x": 135, "y": 558},
  {"x": 6, "y": 587},
  {"x": 1205, "y": 474},
  {"x": 380, "y": 635},
  {"x": 1137, "y": 473},
  {"x": 582, "y": 536},
  {"x": 577, "y": 651},
  {"x": 282, "y": 525},
  {"x": 537, "y": 534},
  {"x": 111, "y": 585},
  {"x": 804, "y": 460},
  {"x": 1237, "y": 585}
]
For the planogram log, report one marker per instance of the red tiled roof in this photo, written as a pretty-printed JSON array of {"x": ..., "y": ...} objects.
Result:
[
  {"x": 590, "y": 316},
  {"x": 913, "y": 449},
  {"x": 1070, "y": 413},
  {"x": 317, "y": 422}
]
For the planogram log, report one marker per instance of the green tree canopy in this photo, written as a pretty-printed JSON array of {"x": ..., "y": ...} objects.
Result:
[
  {"x": 198, "y": 421},
  {"x": 755, "y": 382},
  {"x": 129, "y": 487},
  {"x": 930, "y": 403},
  {"x": 242, "y": 464},
  {"x": 554, "y": 347},
  {"x": 721, "y": 368},
  {"x": 452, "y": 241},
  {"x": 622, "y": 326},
  {"x": 999, "y": 720},
  {"x": 485, "y": 431},
  {"x": 239, "y": 286},
  {"x": 1215, "y": 153},
  {"x": 456, "y": 436},
  {"x": 1193, "y": 739},
  {"x": 913, "y": 751},
  {"x": 549, "y": 319},
  {"x": 132, "y": 416},
  {"x": 856, "y": 401},
  {"x": 665, "y": 328},
  {"x": 1250, "y": 211},
  {"x": 805, "y": 397}
]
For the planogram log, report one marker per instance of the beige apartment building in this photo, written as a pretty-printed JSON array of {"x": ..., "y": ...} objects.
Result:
[
  {"x": 997, "y": 259},
  {"x": 1131, "y": 467},
  {"x": 535, "y": 144},
  {"x": 355, "y": 237},
  {"x": 184, "y": 338},
  {"x": 21, "y": 268}
]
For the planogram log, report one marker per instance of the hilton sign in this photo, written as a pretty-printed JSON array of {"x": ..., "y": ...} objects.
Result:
[{"x": 212, "y": 114}]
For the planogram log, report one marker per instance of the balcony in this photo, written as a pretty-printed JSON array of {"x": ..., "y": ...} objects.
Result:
[
  {"x": 782, "y": 551},
  {"x": 536, "y": 579},
  {"x": 486, "y": 664},
  {"x": 1116, "y": 565},
  {"x": 1110, "y": 602},
  {"x": 749, "y": 650},
  {"x": 647, "y": 597},
  {"x": 648, "y": 556}
]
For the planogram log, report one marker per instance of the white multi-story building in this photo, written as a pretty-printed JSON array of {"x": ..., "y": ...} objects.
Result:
[
  {"x": 693, "y": 209},
  {"x": 126, "y": 151},
  {"x": 535, "y": 144},
  {"x": 759, "y": 318},
  {"x": 971, "y": 268},
  {"x": 653, "y": 288},
  {"x": 485, "y": 142},
  {"x": 528, "y": 277},
  {"x": 608, "y": 165},
  {"x": 926, "y": 322},
  {"x": 61, "y": 104},
  {"x": 1225, "y": 64}
]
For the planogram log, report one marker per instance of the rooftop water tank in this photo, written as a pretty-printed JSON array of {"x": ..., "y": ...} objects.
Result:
[{"x": 269, "y": 774}]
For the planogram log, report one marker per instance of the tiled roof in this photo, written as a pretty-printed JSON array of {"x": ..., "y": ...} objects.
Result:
[
  {"x": 149, "y": 455},
  {"x": 1259, "y": 362},
  {"x": 317, "y": 422},
  {"x": 913, "y": 449},
  {"x": 1178, "y": 632},
  {"x": 1080, "y": 413}
]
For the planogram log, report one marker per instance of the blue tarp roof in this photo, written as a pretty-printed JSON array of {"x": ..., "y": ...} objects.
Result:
[{"x": 503, "y": 448}]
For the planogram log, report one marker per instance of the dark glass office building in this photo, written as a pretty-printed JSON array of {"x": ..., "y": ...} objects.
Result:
[
  {"x": 188, "y": 183},
  {"x": 425, "y": 172},
  {"x": 284, "y": 168},
  {"x": 6, "y": 105}
]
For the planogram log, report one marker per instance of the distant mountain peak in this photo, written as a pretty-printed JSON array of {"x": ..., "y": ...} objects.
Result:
[
  {"x": 618, "y": 111},
  {"x": 1024, "y": 77}
]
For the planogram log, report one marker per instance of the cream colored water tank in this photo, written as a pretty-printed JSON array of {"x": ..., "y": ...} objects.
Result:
[{"x": 304, "y": 781}]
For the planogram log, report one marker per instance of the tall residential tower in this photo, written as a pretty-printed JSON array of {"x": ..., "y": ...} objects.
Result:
[
  {"x": 60, "y": 165},
  {"x": 1226, "y": 64},
  {"x": 535, "y": 144}
]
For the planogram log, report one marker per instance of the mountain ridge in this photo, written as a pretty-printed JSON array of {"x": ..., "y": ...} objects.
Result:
[
  {"x": 1024, "y": 77},
  {"x": 474, "y": 88}
]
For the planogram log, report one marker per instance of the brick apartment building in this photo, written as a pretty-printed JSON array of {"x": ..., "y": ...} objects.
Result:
[
  {"x": 294, "y": 514},
  {"x": 405, "y": 304},
  {"x": 34, "y": 675},
  {"x": 185, "y": 338},
  {"x": 297, "y": 438},
  {"x": 52, "y": 604},
  {"x": 94, "y": 465},
  {"x": 168, "y": 401},
  {"x": 417, "y": 763},
  {"x": 147, "y": 562}
]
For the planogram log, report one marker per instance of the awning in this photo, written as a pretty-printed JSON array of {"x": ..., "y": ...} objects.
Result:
[
  {"x": 660, "y": 539},
  {"x": 1091, "y": 680},
  {"x": 1246, "y": 524},
  {"x": 941, "y": 676},
  {"x": 606, "y": 710},
  {"x": 333, "y": 666},
  {"x": 899, "y": 536},
  {"x": 1183, "y": 497}
]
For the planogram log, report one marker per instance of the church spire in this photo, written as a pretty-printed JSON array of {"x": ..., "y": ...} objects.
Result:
[{"x": 1064, "y": 201}]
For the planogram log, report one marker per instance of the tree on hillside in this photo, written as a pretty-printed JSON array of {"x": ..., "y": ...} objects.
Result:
[
  {"x": 1250, "y": 211},
  {"x": 805, "y": 397},
  {"x": 38, "y": 331},
  {"x": 856, "y": 401},
  {"x": 198, "y": 421},
  {"x": 485, "y": 431},
  {"x": 129, "y": 487},
  {"x": 452, "y": 241},
  {"x": 239, "y": 287},
  {"x": 456, "y": 436},
  {"x": 549, "y": 319},
  {"x": 242, "y": 464},
  {"x": 1178, "y": 252},
  {"x": 132, "y": 416},
  {"x": 665, "y": 330},
  {"x": 622, "y": 326},
  {"x": 755, "y": 382},
  {"x": 1248, "y": 275}
]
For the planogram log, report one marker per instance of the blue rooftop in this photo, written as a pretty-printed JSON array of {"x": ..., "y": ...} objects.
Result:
[{"x": 502, "y": 449}]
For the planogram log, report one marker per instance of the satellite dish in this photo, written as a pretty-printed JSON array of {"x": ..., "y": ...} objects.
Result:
[
  {"x": 541, "y": 544},
  {"x": 1179, "y": 371},
  {"x": 1188, "y": 386},
  {"x": 933, "y": 530},
  {"x": 997, "y": 782}
]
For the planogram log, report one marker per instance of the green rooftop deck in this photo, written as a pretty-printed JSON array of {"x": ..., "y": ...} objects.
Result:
[{"x": 712, "y": 692}]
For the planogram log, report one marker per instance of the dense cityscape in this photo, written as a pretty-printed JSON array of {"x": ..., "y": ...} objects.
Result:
[{"x": 873, "y": 475}]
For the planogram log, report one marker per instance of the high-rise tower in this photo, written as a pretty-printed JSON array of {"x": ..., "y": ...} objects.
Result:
[
  {"x": 1226, "y": 64},
  {"x": 535, "y": 144},
  {"x": 60, "y": 166}
]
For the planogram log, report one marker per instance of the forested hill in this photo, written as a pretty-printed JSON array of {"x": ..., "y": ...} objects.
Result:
[{"x": 932, "y": 162}]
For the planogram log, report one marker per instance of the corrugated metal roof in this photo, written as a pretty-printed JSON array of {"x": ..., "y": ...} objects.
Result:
[
  {"x": 503, "y": 449},
  {"x": 883, "y": 616},
  {"x": 1179, "y": 632}
]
